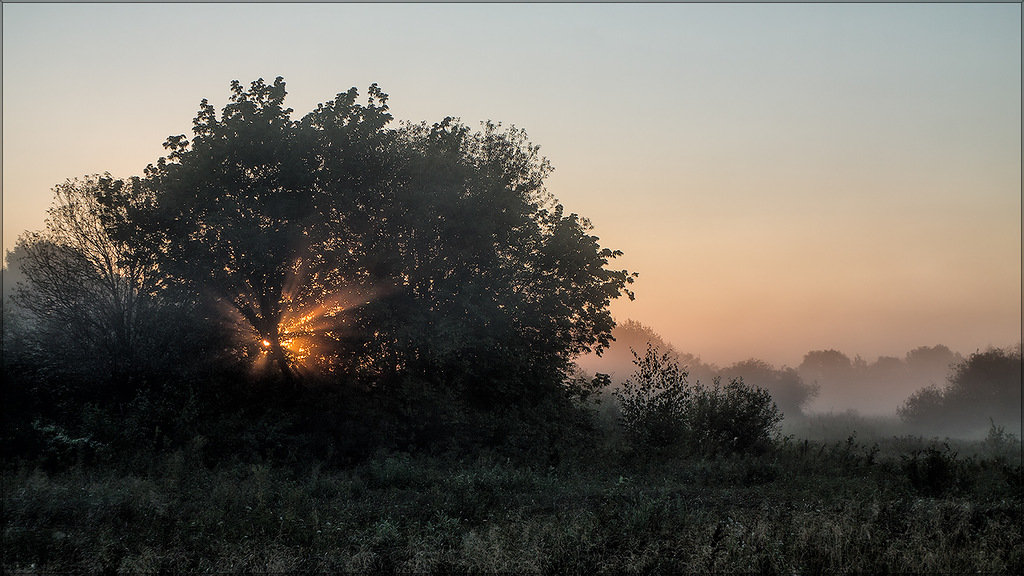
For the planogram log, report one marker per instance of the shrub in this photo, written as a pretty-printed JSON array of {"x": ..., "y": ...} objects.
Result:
[
  {"x": 999, "y": 443},
  {"x": 59, "y": 448},
  {"x": 660, "y": 408},
  {"x": 734, "y": 418},
  {"x": 933, "y": 472}
]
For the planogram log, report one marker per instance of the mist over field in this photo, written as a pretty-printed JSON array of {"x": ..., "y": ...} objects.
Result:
[{"x": 830, "y": 393}]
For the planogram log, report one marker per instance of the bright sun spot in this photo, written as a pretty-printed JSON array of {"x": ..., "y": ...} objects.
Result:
[{"x": 307, "y": 333}]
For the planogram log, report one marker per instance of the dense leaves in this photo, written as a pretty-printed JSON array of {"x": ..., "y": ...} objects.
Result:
[{"x": 424, "y": 250}]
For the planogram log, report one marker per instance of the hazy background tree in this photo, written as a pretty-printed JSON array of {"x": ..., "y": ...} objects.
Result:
[
  {"x": 982, "y": 390},
  {"x": 631, "y": 335},
  {"x": 930, "y": 365},
  {"x": 873, "y": 388},
  {"x": 792, "y": 395},
  {"x": 789, "y": 391}
]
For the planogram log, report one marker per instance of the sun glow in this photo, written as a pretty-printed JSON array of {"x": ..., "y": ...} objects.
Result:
[{"x": 312, "y": 328}]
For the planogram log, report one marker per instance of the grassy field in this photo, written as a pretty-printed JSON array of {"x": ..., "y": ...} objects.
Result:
[{"x": 903, "y": 505}]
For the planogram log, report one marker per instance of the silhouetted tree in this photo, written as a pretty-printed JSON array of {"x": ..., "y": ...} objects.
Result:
[
  {"x": 823, "y": 364},
  {"x": 235, "y": 209},
  {"x": 426, "y": 250},
  {"x": 492, "y": 279}
]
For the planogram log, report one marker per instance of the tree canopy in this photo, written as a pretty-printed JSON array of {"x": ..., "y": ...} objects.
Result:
[{"x": 341, "y": 243}]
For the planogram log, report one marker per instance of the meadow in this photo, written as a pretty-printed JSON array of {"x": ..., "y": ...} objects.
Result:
[{"x": 905, "y": 504}]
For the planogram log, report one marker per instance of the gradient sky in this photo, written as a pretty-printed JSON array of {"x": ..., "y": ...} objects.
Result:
[{"x": 784, "y": 177}]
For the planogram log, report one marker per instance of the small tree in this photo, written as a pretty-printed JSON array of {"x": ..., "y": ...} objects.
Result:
[{"x": 654, "y": 399}]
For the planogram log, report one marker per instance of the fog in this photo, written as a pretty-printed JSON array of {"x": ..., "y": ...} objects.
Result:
[{"x": 832, "y": 394}]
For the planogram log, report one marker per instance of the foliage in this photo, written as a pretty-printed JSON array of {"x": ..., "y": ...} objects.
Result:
[
  {"x": 734, "y": 418},
  {"x": 88, "y": 296},
  {"x": 424, "y": 250},
  {"x": 984, "y": 388},
  {"x": 235, "y": 212},
  {"x": 999, "y": 443},
  {"x": 660, "y": 408}
]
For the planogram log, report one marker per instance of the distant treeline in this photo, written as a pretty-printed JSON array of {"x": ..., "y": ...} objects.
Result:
[{"x": 932, "y": 388}]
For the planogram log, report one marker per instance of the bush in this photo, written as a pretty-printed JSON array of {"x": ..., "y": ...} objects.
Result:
[
  {"x": 660, "y": 409},
  {"x": 933, "y": 472},
  {"x": 734, "y": 418},
  {"x": 60, "y": 449},
  {"x": 999, "y": 443}
]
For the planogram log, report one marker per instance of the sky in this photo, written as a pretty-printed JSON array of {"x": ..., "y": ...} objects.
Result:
[{"x": 784, "y": 177}]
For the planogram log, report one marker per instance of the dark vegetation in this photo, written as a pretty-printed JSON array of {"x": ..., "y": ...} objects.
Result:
[
  {"x": 333, "y": 344},
  {"x": 660, "y": 408},
  {"x": 987, "y": 384}
]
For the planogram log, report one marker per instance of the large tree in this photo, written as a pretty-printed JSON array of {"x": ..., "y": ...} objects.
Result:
[{"x": 431, "y": 250}]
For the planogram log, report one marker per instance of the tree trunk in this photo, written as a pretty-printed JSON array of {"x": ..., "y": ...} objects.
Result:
[{"x": 279, "y": 356}]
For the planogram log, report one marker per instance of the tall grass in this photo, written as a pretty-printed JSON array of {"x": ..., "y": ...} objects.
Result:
[{"x": 801, "y": 507}]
